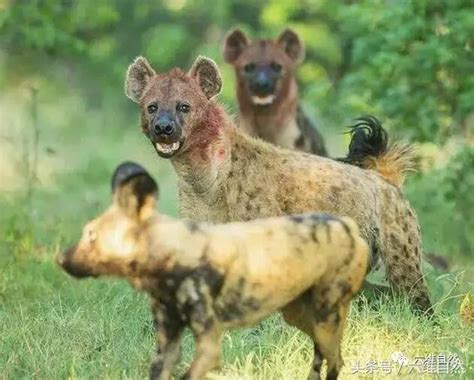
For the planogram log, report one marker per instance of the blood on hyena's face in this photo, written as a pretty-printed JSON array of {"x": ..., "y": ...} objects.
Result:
[
  {"x": 171, "y": 103},
  {"x": 263, "y": 67}
]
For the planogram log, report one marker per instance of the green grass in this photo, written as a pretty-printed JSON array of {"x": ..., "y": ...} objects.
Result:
[{"x": 52, "y": 326}]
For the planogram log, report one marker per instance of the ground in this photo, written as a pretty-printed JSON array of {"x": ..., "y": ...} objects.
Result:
[{"x": 52, "y": 326}]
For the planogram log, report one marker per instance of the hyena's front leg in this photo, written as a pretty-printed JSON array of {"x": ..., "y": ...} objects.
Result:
[{"x": 168, "y": 331}]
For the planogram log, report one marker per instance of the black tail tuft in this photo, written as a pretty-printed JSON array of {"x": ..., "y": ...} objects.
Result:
[
  {"x": 369, "y": 139},
  {"x": 370, "y": 149}
]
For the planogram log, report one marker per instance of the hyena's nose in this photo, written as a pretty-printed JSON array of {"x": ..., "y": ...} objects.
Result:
[
  {"x": 164, "y": 129},
  {"x": 263, "y": 84},
  {"x": 164, "y": 125}
]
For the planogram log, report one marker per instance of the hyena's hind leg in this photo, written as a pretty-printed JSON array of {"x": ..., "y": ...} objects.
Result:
[{"x": 401, "y": 252}]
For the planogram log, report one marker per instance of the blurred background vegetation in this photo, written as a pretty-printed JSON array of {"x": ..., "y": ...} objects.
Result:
[{"x": 65, "y": 124}]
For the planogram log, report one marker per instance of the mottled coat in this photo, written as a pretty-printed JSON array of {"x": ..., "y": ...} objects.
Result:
[
  {"x": 267, "y": 91},
  {"x": 226, "y": 175},
  {"x": 216, "y": 277}
]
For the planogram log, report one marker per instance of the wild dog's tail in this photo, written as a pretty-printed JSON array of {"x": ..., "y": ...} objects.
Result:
[{"x": 370, "y": 149}]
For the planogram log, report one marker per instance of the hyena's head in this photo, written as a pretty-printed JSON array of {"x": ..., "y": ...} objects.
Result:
[
  {"x": 264, "y": 68},
  {"x": 114, "y": 243},
  {"x": 172, "y": 104}
]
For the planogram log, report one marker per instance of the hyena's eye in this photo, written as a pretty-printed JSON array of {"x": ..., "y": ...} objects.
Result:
[
  {"x": 152, "y": 108},
  {"x": 183, "y": 107},
  {"x": 248, "y": 68},
  {"x": 276, "y": 67}
]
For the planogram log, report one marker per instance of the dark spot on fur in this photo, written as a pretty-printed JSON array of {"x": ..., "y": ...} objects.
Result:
[
  {"x": 344, "y": 288},
  {"x": 192, "y": 226},
  {"x": 297, "y": 218},
  {"x": 236, "y": 303},
  {"x": 133, "y": 266},
  {"x": 405, "y": 251},
  {"x": 299, "y": 142},
  {"x": 349, "y": 234}
]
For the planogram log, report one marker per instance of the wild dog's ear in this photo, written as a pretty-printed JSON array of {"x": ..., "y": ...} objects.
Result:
[
  {"x": 207, "y": 75},
  {"x": 292, "y": 45},
  {"x": 235, "y": 42},
  {"x": 134, "y": 190},
  {"x": 138, "y": 75}
]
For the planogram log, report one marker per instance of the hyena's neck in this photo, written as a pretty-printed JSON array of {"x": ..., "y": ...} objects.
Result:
[
  {"x": 204, "y": 165},
  {"x": 272, "y": 122}
]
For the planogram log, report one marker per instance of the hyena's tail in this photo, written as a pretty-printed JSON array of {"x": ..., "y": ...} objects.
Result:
[{"x": 370, "y": 149}]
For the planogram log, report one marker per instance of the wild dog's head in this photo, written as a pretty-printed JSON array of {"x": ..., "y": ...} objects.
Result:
[
  {"x": 264, "y": 68},
  {"x": 113, "y": 243},
  {"x": 172, "y": 104}
]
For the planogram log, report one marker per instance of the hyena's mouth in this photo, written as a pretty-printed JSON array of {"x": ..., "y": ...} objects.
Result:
[
  {"x": 263, "y": 100},
  {"x": 167, "y": 150}
]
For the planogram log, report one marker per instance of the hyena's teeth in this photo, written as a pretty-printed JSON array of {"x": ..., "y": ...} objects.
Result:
[
  {"x": 167, "y": 148},
  {"x": 263, "y": 101}
]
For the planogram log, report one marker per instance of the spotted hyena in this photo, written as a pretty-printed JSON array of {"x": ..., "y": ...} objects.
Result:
[
  {"x": 226, "y": 175},
  {"x": 212, "y": 278},
  {"x": 267, "y": 91}
]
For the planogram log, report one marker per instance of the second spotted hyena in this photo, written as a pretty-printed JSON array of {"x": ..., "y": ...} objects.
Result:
[
  {"x": 216, "y": 277},
  {"x": 267, "y": 91},
  {"x": 226, "y": 175}
]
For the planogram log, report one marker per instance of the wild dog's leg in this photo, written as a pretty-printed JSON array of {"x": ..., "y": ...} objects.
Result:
[
  {"x": 168, "y": 329},
  {"x": 207, "y": 356},
  {"x": 195, "y": 294},
  {"x": 300, "y": 313},
  {"x": 327, "y": 335}
]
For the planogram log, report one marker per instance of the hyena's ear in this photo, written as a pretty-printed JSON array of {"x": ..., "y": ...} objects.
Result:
[
  {"x": 291, "y": 43},
  {"x": 207, "y": 75},
  {"x": 138, "y": 75},
  {"x": 134, "y": 190},
  {"x": 235, "y": 43}
]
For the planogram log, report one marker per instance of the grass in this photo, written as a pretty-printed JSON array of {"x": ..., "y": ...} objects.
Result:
[{"x": 52, "y": 326}]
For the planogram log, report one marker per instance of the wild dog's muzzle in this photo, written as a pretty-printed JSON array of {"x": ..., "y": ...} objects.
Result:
[{"x": 66, "y": 261}]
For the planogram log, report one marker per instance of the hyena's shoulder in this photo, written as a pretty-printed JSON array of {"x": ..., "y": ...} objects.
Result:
[{"x": 310, "y": 138}]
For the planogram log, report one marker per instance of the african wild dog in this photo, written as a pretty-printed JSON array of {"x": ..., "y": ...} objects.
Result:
[
  {"x": 267, "y": 91},
  {"x": 216, "y": 277},
  {"x": 226, "y": 175}
]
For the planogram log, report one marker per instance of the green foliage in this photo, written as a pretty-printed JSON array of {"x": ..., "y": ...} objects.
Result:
[
  {"x": 444, "y": 202},
  {"x": 459, "y": 180}
]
